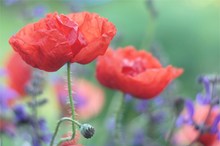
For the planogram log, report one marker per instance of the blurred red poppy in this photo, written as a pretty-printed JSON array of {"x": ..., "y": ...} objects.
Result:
[
  {"x": 89, "y": 99},
  {"x": 57, "y": 39},
  {"x": 135, "y": 72},
  {"x": 7, "y": 127},
  {"x": 19, "y": 73},
  {"x": 187, "y": 133},
  {"x": 73, "y": 142}
]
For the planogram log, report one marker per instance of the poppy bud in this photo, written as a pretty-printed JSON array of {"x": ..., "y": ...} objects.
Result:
[
  {"x": 178, "y": 105},
  {"x": 87, "y": 130}
]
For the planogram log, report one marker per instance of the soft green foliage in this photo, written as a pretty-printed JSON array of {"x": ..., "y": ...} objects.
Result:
[{"x": 186, "y": 32}]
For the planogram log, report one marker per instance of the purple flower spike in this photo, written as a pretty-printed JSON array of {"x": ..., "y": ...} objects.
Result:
[
  {"x": 158, "y": 117},
  {"x": 46, "y": 138},
  {"x": 42, "y": 124},
  {"x": 188, "y": 118},
  {"x": 206, "y": 84},
  {"x": 180, "y": 121},
  {"x": 139, "y": 138},
  {"x": 159, "y": 101},
  {"x": 190, "y": 108},
  {"x": 203, "y": 99},
  {"x": 141, "y": 106},
  {"x": 6, "y": 95},
  {"x": 20, "y": 115},
  {"x": 218, "y": 136},
  {"x": 215, "y": 124},
  {"x": 39, "y": 11},
  {"x": 128, "y": 97},
  {"x": 110, "y": 124},
  {"x": 45, "y": 134},
  {"x": 10, "y": 2}
]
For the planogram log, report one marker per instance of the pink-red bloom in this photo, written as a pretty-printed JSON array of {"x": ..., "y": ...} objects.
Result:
[
  {"x": 57, "y": 39},
  {"x": 135, "y": 72},
  {"x": 73, "y": 142},
  {"x": 187, "y": 133},
  {"x": 19, "y": 73},
  {"x": 89, "y": 99}
]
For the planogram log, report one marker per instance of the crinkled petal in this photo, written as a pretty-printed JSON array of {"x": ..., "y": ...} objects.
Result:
[
  {"x": 98, "y": 33},
  {"x": 144, "y": 85}
]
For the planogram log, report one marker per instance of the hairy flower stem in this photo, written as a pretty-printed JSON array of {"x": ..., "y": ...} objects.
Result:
[
  {"x": 118, "y": 122},
  {"x": 71, "y": 98},
  {"x": 57, "y": 128},
  {"x": 72, "y": 111}
]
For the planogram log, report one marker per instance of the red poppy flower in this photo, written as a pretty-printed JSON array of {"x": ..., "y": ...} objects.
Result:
[
  {"x": 135, "y": 72},
  {"x": 6, "y": 126},
  {"x": 19, "y": 73},
  {"x": 73, "y": 142},
  {"x": 57, "y": 39}
]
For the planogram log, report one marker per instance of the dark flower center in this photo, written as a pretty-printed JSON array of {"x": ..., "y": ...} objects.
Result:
[{"x": 133, "y": 67}]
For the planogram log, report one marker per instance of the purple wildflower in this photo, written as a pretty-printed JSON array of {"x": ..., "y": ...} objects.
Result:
[
  {"x": 35, "y": 141},
  {"x": 158, "y": 117},
  {"x": 10, "y": 2},
  {"x": 110, "y": 124},
  {"x": 139, "y": 138},
  {"x": 36, "y": 84},
  {"x": 205, "y": 81},
  {"x": 158, "y": 101},
  {"x": 141, "y": 106},
  {"x": 21, "y": 117},
  {"x": 204, "y": 98},
  {"x": 44, "y": 130},
  {"x": 128, "y": 97},
  {"x": 215, "y": 124},
  {"x": 6, "y": 96},
  {"x": 39, "y": 11},
  {"x": 188, "y": 118},
  {"x": 190, "y": 108}
]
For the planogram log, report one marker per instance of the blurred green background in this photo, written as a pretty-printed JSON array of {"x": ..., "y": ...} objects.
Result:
[
  {"x": 184, "y": 33},
  {"x": 187, "y": 32}
]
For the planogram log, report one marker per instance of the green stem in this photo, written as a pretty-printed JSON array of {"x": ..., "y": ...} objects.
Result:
[
  {"x": 118, "y": 121},
  {"x": 35, "y": 119},
  {"x": 72, "y": 110},
  {"x": 71, "y": 98},
  {"x": 69, "y": 138},
  {"x": 58, "y": 125},
  {"x": 170, "y": 133}
]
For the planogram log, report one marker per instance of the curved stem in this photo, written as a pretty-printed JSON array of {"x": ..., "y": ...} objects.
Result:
[
  {"x": 58, "y": 125},
  {"x": 118, "y": 122},
  {"x": 69, "y": 138},
  {"x": 71, "y": 98},
  {"x": 72, "y": 109}
]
